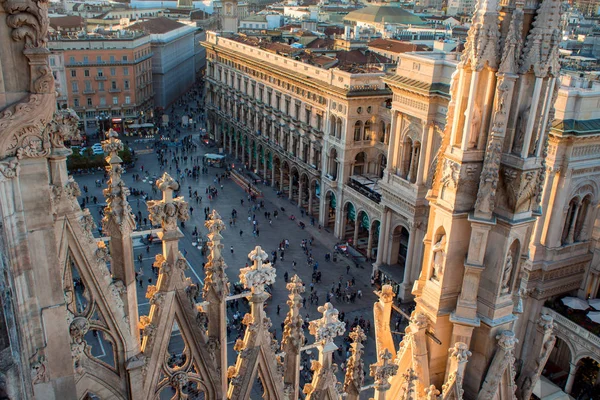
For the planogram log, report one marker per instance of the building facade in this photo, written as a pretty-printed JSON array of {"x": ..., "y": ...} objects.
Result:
[
  {"x": 173, "y": 57},
  {"x": 106, "y": 75},
  {"x": 320, "y": 136}
]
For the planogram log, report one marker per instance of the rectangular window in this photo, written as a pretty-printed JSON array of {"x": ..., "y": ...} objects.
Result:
[
  {"x": 124, "y": 58},
  {"x": 99, "y": 59},
  {"x": 73, "y": 73},
  {"x": 89, "y": 101},
  {"x": 71, "y": 60},
  {"x": 76, "y": 102},
  {"x": 297, "y": 111},
  {"x": 115, "y": 100},
  {"x": 101, "y": 86},
  {"x": 102, "y": 101},
  {"x": 74, "y": 87},
  {"x": 126, "y": 84},
  {"x": 113, "y": 84},
  {"x": 85, "y": 60},
  {"x": 308, "y": 117},
  {"x": 86, "y": 72},
  {"x": 88, "y": 85},
  {"x": 127, "y": 100},
  {"x": 287, "y": 106},
  {"x": 126, "y": 71},
  {"x": 90, "y": 114},
  {"x": 112, "y": 58},
  {"x": 278, "y": 102},
  {"x": 52, "y": 62},
  {"x": 100, "y": 72},
  {"x": 113, "y": 71}
]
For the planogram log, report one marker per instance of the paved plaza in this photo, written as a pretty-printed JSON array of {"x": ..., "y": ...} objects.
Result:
[{"x": 239, "y": 240}]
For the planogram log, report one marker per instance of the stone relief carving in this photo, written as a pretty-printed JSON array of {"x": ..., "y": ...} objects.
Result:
[
  {"x": 488, "y": 181},
  {"x": 29, "y": 20},
  {"x": 512, "y": 44},
  {"x": 9, "y": 169},
  {"x": 383, "y": 371},
  {"x": 520, "y": 187},
  {"x": 450, "y": 173}
]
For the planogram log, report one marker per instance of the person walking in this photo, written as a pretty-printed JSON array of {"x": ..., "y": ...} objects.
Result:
[{"x": 231, "y": 249}]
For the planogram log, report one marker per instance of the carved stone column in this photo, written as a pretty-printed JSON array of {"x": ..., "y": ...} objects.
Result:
[
  {"x": 216, "y": 289},
  {"x": 355, "y": 375},
  {"x": 571, "y": 378},
  {"x": 325, "y": 330},
  {"x": 293, "y": 338},
  {"x": 543, "y": 343},
  {"x": 118, "y": 222}
]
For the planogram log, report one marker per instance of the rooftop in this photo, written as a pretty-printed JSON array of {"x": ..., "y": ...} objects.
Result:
[
  {"x": 387, "y": 14},
  {"x": 69, "y": 22},
  {"x": 158, "y": 25},
  {"x": 396, "y": 46}
]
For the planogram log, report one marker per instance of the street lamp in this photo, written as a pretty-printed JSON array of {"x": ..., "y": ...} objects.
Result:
[{"x": 103, "y": 122}]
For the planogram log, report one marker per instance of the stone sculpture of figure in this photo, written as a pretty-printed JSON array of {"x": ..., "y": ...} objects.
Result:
[
  {"x": 438, "y": 257},
  {"x": 508, "y": 266},
  {"x": 475, "y": 126},
  {"x": 520, "y": 130}
]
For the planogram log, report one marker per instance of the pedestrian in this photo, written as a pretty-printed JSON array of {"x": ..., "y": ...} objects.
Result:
[
  {"x": 231, "y": 249},
  {"x": 241, "y": 232},
  {"x": 285, "y": 277},
  {"x": 347, "y": 269},
  {"x": 278, "y": 309}
]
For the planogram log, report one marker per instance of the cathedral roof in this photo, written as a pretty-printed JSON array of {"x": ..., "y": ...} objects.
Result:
[
  {"x": 576, "y": 127},
  {"x": 387, "y": 14}
]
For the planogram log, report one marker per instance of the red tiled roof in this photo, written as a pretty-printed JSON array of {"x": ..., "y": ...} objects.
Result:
[
  {"x": 396, "y": 46},
  {"x": 320, "y": 44}
]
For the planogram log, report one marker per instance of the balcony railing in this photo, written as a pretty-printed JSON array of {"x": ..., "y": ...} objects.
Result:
[
  {"x": 587, "y": 341},
  {"x": 100, "y": 78},
  {"x": 89, "y": 91},
  {"x": 114, "y": 90}
]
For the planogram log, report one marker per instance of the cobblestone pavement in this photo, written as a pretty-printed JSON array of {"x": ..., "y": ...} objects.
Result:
[{"x": 242, "y": 240}]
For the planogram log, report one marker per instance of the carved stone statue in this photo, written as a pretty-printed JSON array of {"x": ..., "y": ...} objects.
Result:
[
  {"x": 438, "y": 257},
  {"x": 520, "y": 130},
  {"x": 508, "y": 266},
  {"x": 475, "y": 126}
]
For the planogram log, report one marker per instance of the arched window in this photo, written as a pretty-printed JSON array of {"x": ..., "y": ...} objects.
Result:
[
  {"x": 357, "y": 131},
  {"x": 332, "y": 126},
  {"x": 338, "y": 128},
  {"x": 360, "y": 162},
  {"x": 367, "y": 131},
  {"x": 333, "y": 163},
  {"x": 382, "y": 132},
  {"x": 580, "y": 224},
  {"x": 406, "y": 154},
  {"x": 569, "y": 227}
]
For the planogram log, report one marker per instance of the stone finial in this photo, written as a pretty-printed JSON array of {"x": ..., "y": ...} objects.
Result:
[
  {"x": 326, "y": 328},
  {"x": 259, "y": 274},
  {"x": 295, "y": 286},
  {"x": 386, "y": 294},
  {"x": 432, "y": 393},
  {"x": 169, "y": 210},
  {"x": 460, "y": 351},
  {"x": 117, "y": 211},
  {"x": 293, "y": 334},
  {"x": 383, "y": 371},
  {"x": 507, "y": 340},
  {"x": 112, "y": 145},
  {"x": 215, "y": 224},
  {"x": 355, "y": 374},
  {"x": 420, "y": 320},
  {"x": 216, "y": 281}
]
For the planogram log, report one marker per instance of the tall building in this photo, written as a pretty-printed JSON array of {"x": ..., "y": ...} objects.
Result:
[
  {"x": 460, "y": 7},
  {"x": 106, "y": 76},
  {"x": 173, "y": 57}
]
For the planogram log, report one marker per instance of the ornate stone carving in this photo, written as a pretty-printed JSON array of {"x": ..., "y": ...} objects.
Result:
[
  {"x": 258, "y": 275},
  {"x": 541, "y": 46},
  {"x": 328, "y": 327},
  {"x": 520, "y": 187},
  {"x": 293, "y": 334},
  {"x": 29, "y": 20},
  {"x": 78, "y": 329},
  {"x": 167, "y": 212},
  {"x": 102, "y": 253},
  {"x": 481, "y": 48},
  {"x": 87, "y": 224},
  {"x": 450, "y": 173},
  {"x": 488, "y": 181},
  {"x": 9, "y": 169},
  {"x": 355, "y": 375},
  {"x": 33, "y": 146},
  {"x": 512, "y": 44},
  {"x": 161, "y": 263},
  {"x": 383, "y": 371},
  {"x": 38, "y": 370},
  {"x": 64, "y": 126}
]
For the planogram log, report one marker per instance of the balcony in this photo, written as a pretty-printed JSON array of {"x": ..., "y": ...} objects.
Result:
[
  {"x": 100, "y": 78},
  {"x": 366, "y": 186},
  {"x": 573, "y": 324},
  {"x": 89, "y": 91},
  {"x": 115, "y": 90}
]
